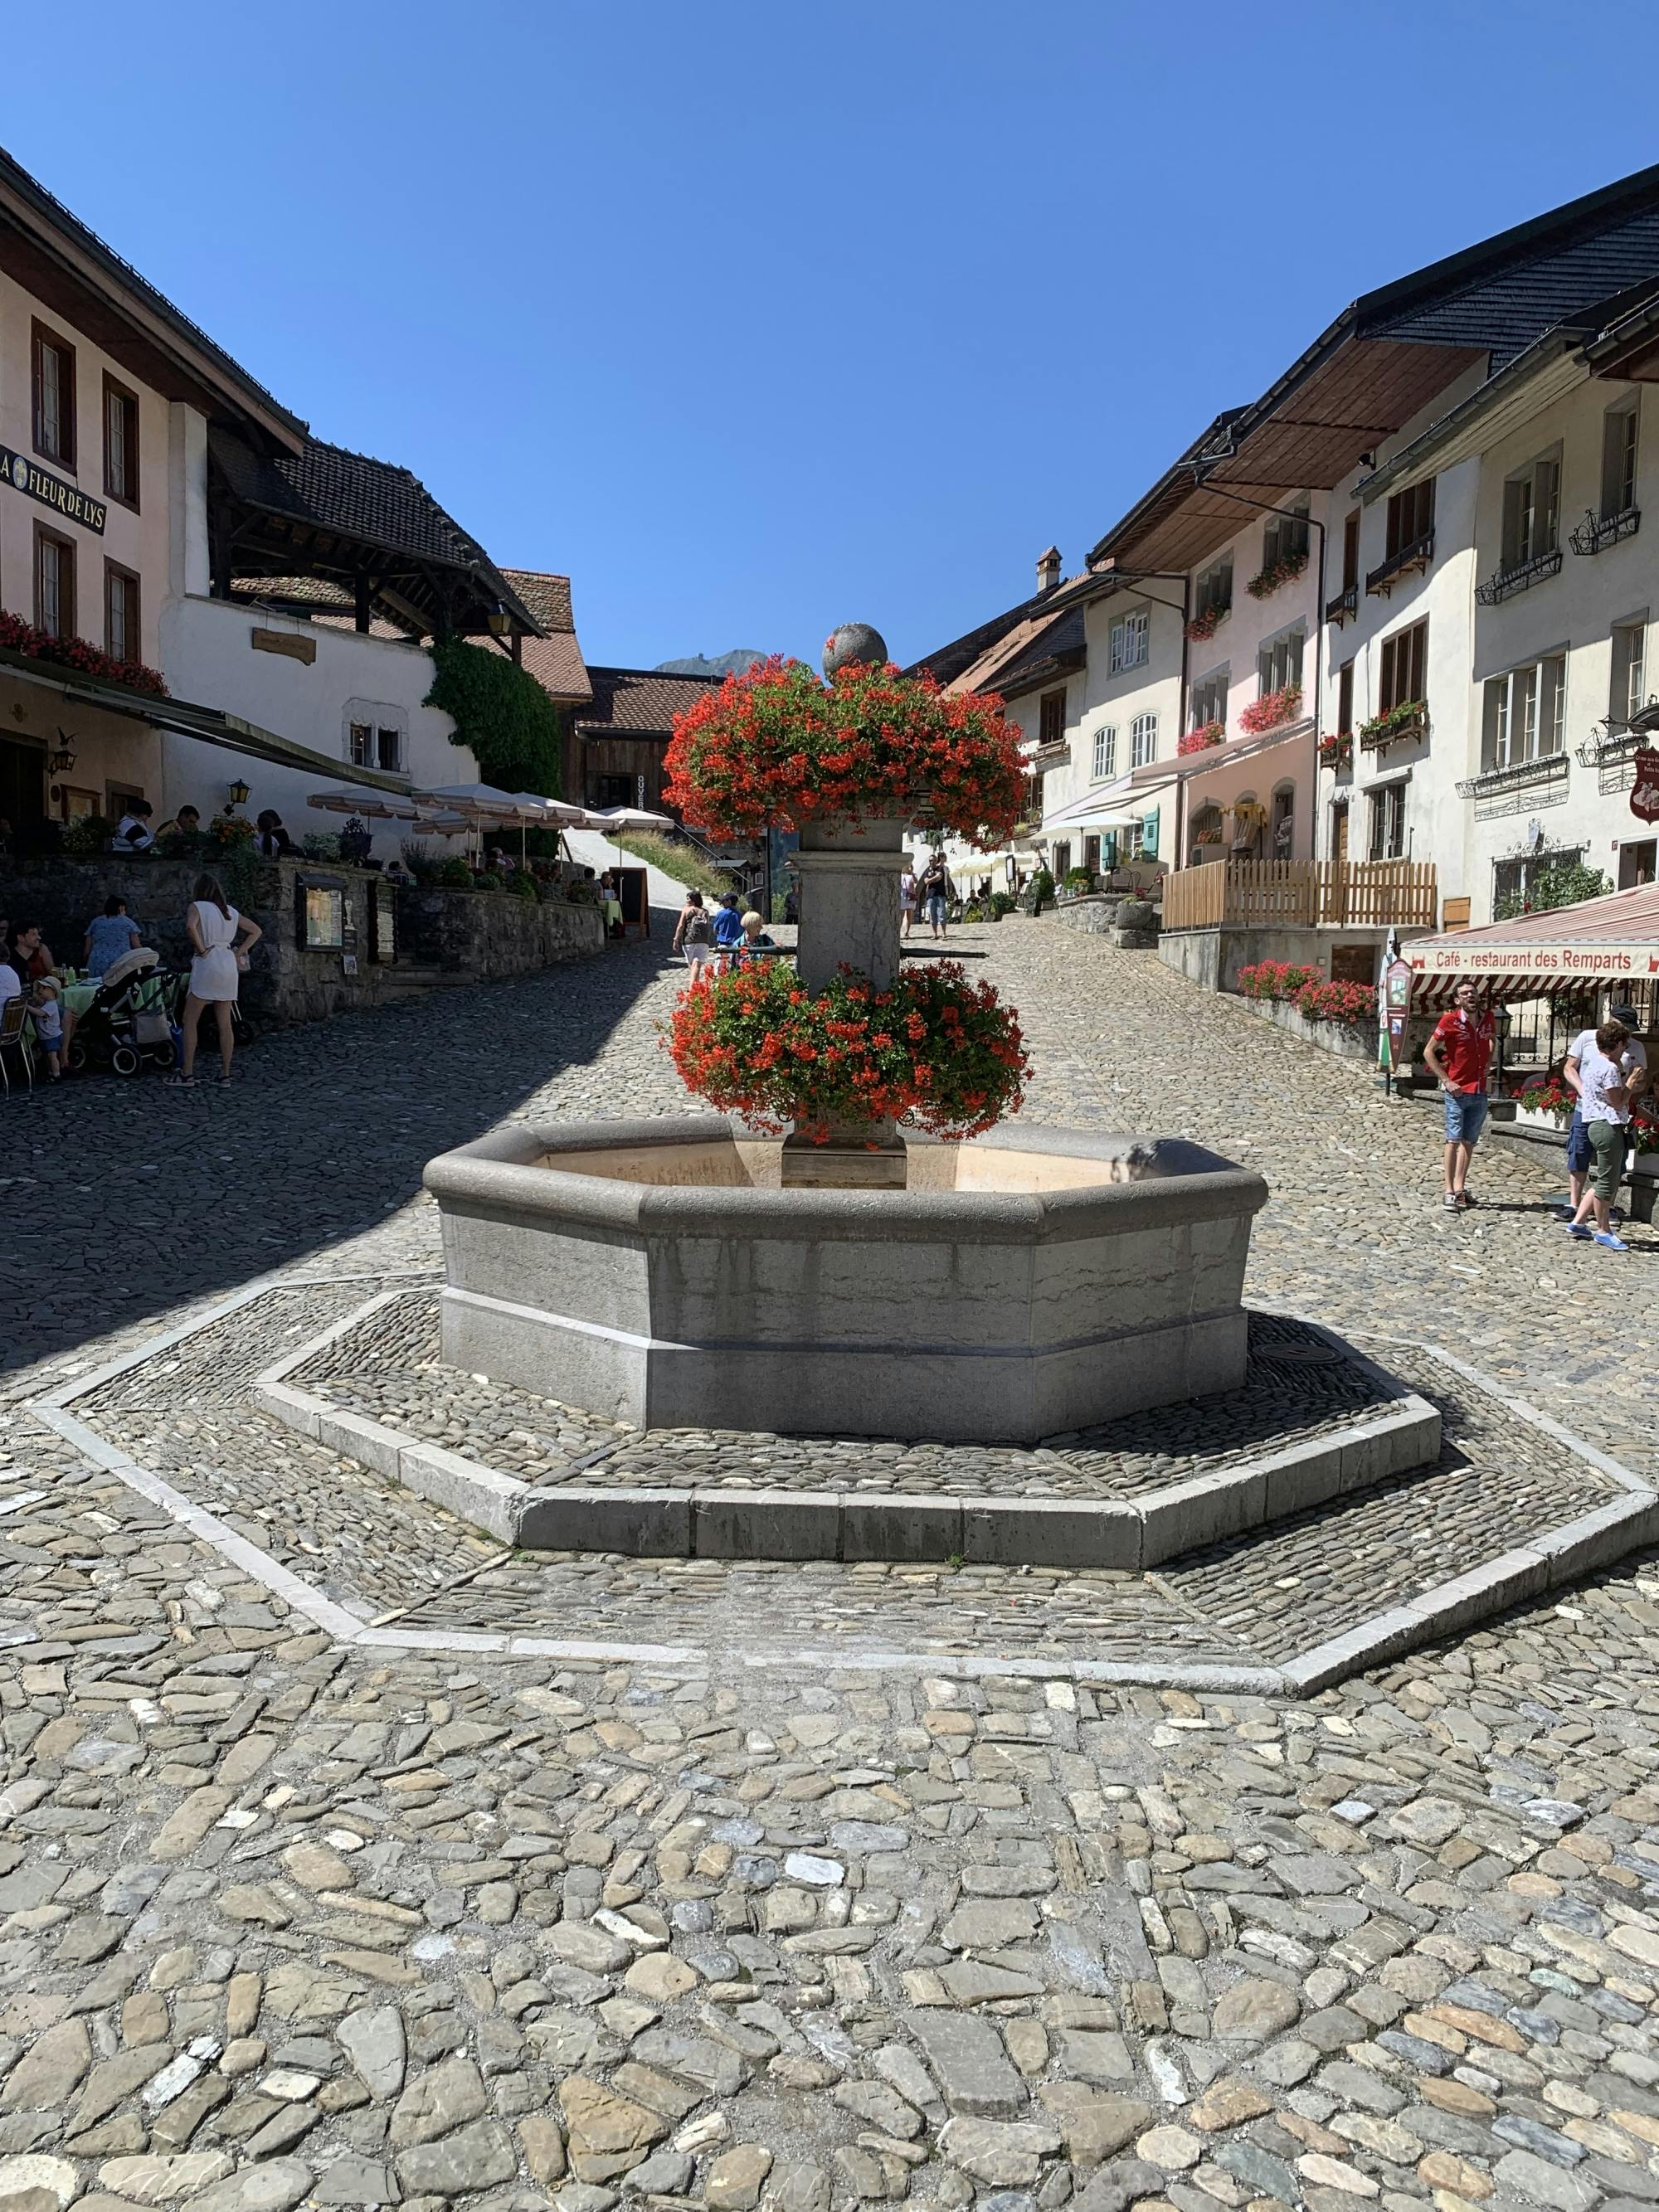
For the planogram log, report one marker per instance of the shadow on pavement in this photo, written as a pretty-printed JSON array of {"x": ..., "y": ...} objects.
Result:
[{"x": 120, "y": 1200}]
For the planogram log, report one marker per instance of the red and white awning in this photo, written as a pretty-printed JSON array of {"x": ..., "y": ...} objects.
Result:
[{"x": 1608, "y": 944}]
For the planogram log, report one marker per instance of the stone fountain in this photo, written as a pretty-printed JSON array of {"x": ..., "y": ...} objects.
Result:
[{"x": 683, "y": 1273}]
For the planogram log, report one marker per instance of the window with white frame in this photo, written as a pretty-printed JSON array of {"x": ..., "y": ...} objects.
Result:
[
  {"x": 1532, "y": 510},
  {"x": 1210, "y": 699},
  {"x": 1212, "y": 590},
  {"x": 1104, "y": 764},
  {"x": 1630, "y": 691},
  {"x": 1131, "y": 640},
  {"x": 1388, "y": 825},
  {"x": 1278, "y": 662},
  {"x": 1619, "y": 459},
  {"x": 1143, "y": 740},
  {"x": 1525, "y": 714},
  {"x": 375, "y": 737}
]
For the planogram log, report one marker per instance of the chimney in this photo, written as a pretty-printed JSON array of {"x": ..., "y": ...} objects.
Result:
[{"x": 1048, "y": 570}]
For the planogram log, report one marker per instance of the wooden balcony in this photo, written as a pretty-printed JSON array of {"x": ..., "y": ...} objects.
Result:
[{"x": 1301, "y": 895}]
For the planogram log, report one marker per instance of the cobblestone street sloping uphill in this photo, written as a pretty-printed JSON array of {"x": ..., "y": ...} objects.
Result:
[{"x": 698, "y": 1920}]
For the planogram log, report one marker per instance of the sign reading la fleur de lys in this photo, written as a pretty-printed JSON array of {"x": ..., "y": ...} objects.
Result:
[{"x": 65, "y": 499}]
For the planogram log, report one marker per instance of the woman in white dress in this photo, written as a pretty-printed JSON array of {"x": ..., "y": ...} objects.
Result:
[{"x": 220, "y": 939}]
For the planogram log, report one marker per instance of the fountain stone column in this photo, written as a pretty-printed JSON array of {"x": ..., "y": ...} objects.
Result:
[{"x": 849, "y": 868}]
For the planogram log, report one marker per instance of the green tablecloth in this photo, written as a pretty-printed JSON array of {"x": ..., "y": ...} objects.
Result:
[
  {"x": 612, "y": 912},
  {"x": 76, "y": 998}
]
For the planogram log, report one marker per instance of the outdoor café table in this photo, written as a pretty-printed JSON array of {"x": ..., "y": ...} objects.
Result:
[
  {"x": 612, "y": 913},
  {"x": 76, "y": 998}
]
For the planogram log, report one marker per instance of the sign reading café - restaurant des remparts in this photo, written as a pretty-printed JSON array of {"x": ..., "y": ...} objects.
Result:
[{"x": 65, "y": 499}]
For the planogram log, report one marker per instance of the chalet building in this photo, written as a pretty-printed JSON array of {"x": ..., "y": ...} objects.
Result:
[
  {"x": 614, "y": 755},
  {"x": 196, "y": 592},
  {"x": 1356, "y": 629}
]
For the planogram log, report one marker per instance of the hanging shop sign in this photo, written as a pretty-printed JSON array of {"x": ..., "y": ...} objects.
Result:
[
  {"x": 62, "y": 497},
  {"x": 1644, "y": 792}
]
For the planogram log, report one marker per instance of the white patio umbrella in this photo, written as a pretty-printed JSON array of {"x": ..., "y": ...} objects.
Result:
[
  {"x": 373, "y": 805},
  {"x": 611, "y": 821},
  {"x": 485, "y": 807}
]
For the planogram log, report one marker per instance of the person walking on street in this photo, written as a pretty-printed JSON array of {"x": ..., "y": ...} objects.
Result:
[
  {"x": 220, "y": 939},
  {"x": 1606, "y": 1081},
  {"x": 1633, "y": 1055},
  {"x": 694, "y": 934},
  {"x": 909, "y": 896},
  {"x": 1459, "y": 1056},
  {"x": 935, "y": 890}
]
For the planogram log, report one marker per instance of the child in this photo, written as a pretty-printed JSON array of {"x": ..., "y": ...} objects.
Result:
[{"x": 48, "y": 1016}]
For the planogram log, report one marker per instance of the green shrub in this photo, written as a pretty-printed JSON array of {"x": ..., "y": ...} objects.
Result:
[
  {"x": 683, "y": 862},
  {"x": 88, "y": 837},
  {"x": 1041, "y": 886},
  {"x": 492, "y": 880},
  {"x": 454, "y": 875},
  {"x": 501, "y": 713},
  {"x": 1003, "y": 903},
  {"x": 321, "y": 845},
  {"x": 522, "y": 886},
  {"x": 1568, "y": 883},
  {"x": 1079, "y": 879}
]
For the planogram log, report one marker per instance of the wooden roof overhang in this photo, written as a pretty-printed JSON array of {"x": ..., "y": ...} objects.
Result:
[{"x": 1345, "y": 395}]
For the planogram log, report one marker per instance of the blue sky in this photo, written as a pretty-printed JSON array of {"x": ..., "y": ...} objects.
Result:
[{"x": 756, "y": 316}]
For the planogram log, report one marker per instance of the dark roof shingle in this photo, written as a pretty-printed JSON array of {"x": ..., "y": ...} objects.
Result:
[{"x": 638, "y": 702}]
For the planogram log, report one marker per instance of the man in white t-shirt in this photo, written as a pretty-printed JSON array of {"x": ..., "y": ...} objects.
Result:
[
  {"x": 1606, "y": 1085},
  {"x": 1634, "y": 1057}
]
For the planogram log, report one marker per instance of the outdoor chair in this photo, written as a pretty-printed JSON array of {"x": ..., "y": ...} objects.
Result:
[{"x": 16, "y": 1035}]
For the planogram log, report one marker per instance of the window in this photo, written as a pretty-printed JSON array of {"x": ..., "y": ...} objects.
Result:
[
  {"x": 1105, "y": 765},
  {"x": 1411, "y": 516},
  {"x": 1279, "y": 661},
  {"x": 1061, "y": 861},
  {"x": 1143, "y": 740},
  {"x": 1091, "y": 855},
  {"x": 1525, "y": 714},
  {"x": 1214, "y": 590},
  {"x": 120, "y": 443},
  {"x": 1636, "y": 863},
  {"x": 54, "y": 397},
  {"x": 1513, "y": 882},
  {"x": 1131, "y": 640},
  {"x": 1400, "y": 679},
  {"x": 1344, "y": 697},
  {"x": 1388, "y": 841},
  {"x": 1285, "y": 537},
  {"x": 1051, "y": 718},
  {"x": 1210, "y": 700},
  {"x": 54, "y": 584},
  {"x": 1532, "y": 512},
  {"x": 374, "y": 745},
  {"x": 122, "y": 640},
  {"x": 1282, "y": 819},
  {"x": 1629, "y": 693},
  {"x": 1351, "y": 551},
  {"x": 1619, "y": 459}
]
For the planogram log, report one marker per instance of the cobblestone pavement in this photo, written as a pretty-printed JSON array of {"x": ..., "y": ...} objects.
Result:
[{"x": 283, "y": 1922}]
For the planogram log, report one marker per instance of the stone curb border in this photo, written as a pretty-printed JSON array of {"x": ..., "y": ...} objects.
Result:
[
  {"x": 902, "y": 1528},
  {"x": 1595, "y": 1540}
]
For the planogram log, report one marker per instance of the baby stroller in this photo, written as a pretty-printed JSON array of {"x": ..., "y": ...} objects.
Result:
[{"x": 132, "y": 1019}]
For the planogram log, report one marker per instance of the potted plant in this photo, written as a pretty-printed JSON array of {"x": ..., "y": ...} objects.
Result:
[
  {"x": 1272, "y": 710},
  {"x": 1206, "y": 622},
  {"x": 1336, "y": 749},
  {"x": 1408, "y": 720},
  {"x": 1200, "y": 740}
]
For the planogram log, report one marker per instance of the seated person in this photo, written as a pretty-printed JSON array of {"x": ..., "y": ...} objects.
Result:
[
  {"x": 132, "y": 832},
  {"x": 186, "y": 822},
  {"x": 109, "y": 935},
  {"x": 754, "y": 938},
  {"x": 271, "y": 841}
]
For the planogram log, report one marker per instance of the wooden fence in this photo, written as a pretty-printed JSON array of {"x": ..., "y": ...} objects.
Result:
[{"x": 1302, "y": 894}]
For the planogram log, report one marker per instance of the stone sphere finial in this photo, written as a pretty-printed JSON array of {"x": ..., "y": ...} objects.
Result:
[{"x": 851, "y": 641}]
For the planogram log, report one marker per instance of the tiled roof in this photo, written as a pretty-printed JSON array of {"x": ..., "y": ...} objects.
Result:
[
  {"x": 1506, "y": 308},
  {"x": 312, "y": 591},
  {"x": 1059, "y": 644},
  {"x": 638, "y": 702},
  {"x": 352, "y": 496},
  {"x": 555, "y": 660}
]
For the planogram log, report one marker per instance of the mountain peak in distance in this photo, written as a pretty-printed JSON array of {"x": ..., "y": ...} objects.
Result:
[{"x": 699, "y": 663}]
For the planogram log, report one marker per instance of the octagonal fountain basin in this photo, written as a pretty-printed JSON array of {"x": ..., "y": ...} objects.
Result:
[{"x": 1031, "y": 1282}]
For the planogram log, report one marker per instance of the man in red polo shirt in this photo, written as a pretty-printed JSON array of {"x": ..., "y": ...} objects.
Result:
[{"x": 1459, "y": 1055}]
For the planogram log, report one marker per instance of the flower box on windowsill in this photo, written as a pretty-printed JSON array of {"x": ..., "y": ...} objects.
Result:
[
  {"x": 1597, "y": 532},
  {"x": 1272, "y": 709},
  {"x": 1202, "y": 740},
  {"x": 1268, "y": 581},
  {"x": 1336, "y": 751},
  {"x": 1206, "y": 622},
  {"x": 1520, "y": 577},
  {"x": 1345, "y": 607},
  {"x": 1397, "y": 727},
  {"x": 1410, "y": 561}
]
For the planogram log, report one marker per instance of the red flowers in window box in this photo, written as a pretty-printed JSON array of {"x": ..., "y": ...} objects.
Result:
[
  {"x": 1267, "y": 582},
  {"x": 1336, "y": 749},
  {"x": 1272, "y": 709},
  {"x": 1284, "y": 983},
  {"x": 776, "y": 747},
  {"x": 934, "y": 1049},
  {"x": 18, "y": 636},
  {"x": 1201, "y": 739},
  {"x": 1206, "y": 622}
]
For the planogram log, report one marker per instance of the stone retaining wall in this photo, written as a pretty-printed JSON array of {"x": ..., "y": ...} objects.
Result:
[
  {"x": 1329, "y": 1037},
  {"x": 484, "y": 933}
]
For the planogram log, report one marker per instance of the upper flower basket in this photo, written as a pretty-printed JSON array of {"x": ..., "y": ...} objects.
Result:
[{"x": 775, "y": 747}]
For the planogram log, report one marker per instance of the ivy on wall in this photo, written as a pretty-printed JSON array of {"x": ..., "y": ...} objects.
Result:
[{"x": 501, "y": 713}]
